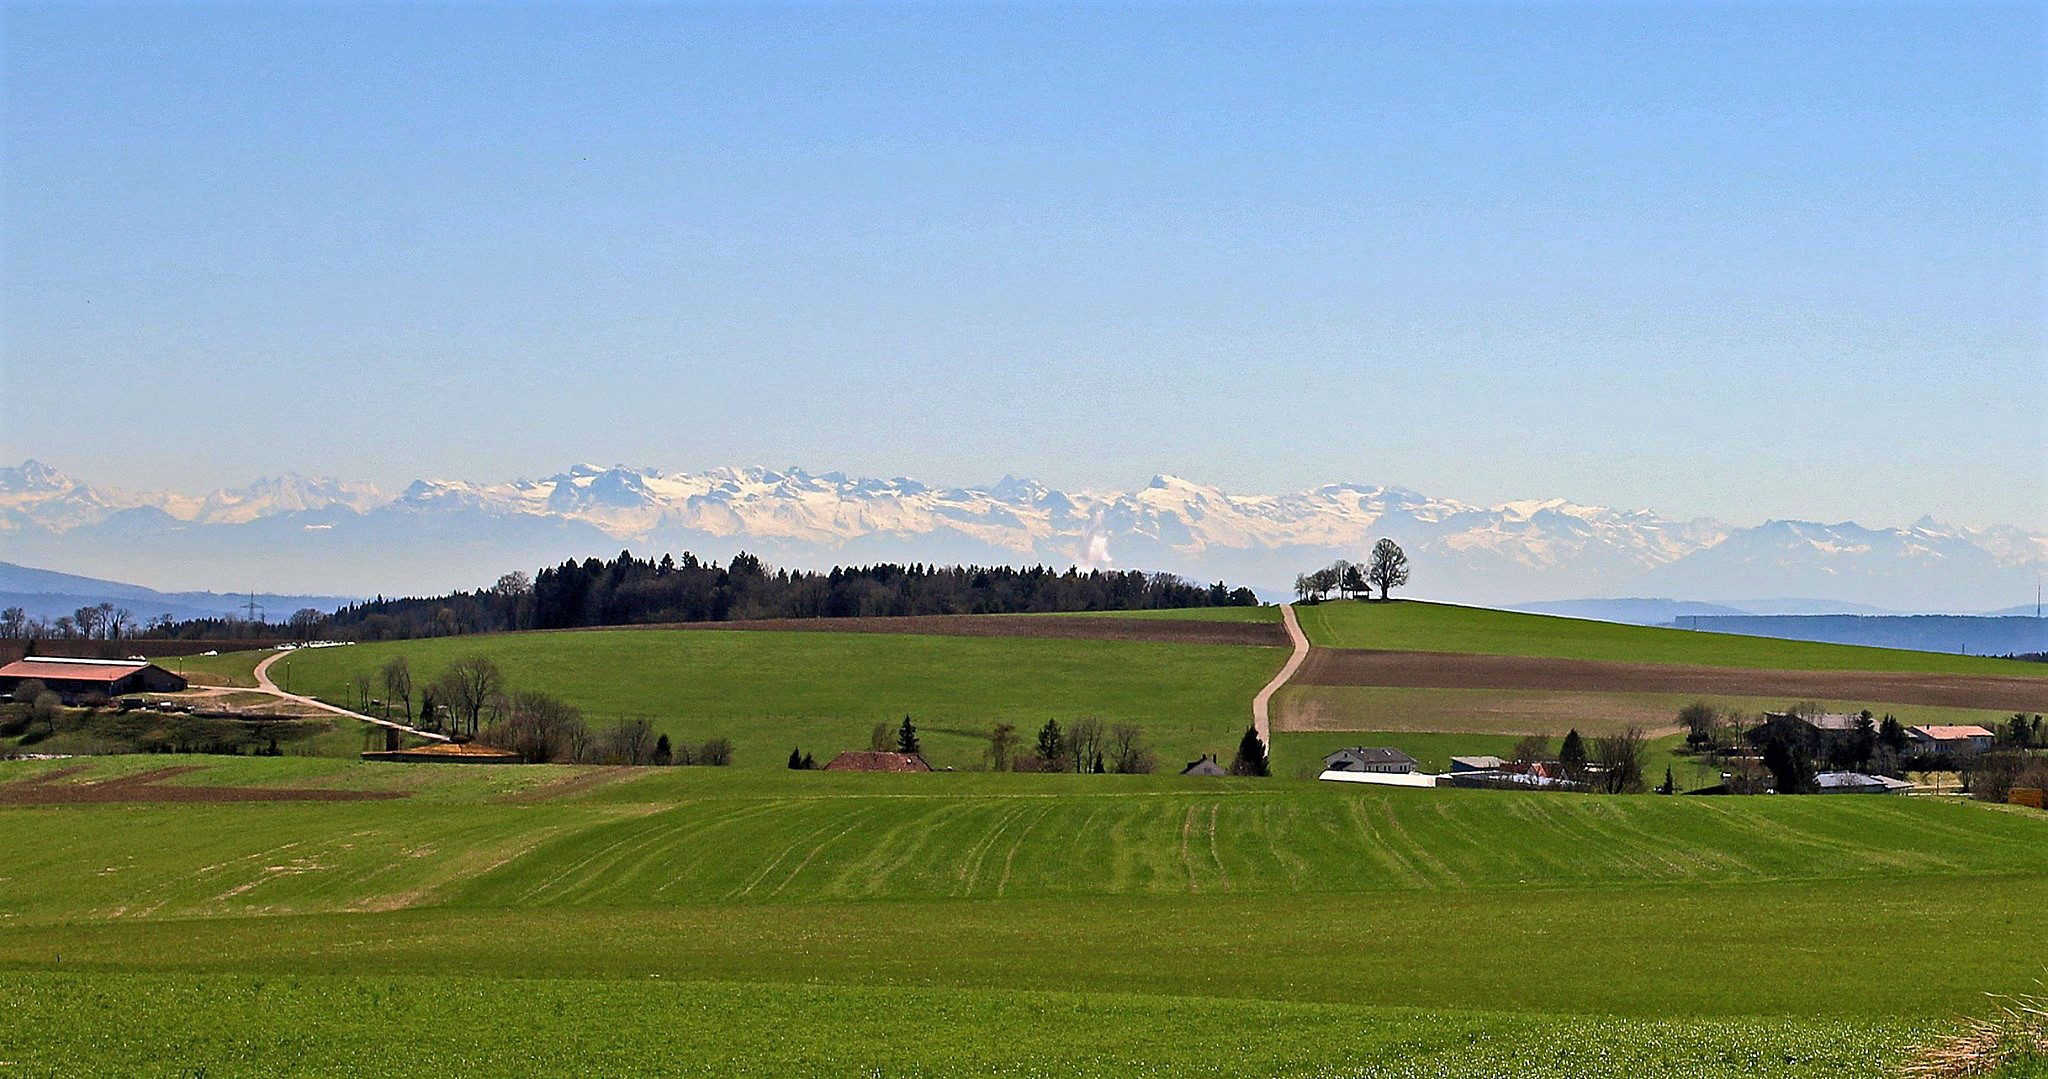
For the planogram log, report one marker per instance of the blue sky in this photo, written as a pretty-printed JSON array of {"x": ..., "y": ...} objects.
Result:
[{"x": 1729, "y": 260}]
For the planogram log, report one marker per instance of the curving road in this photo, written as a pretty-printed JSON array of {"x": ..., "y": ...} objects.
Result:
[
  {"x": 265, "y": 685},
  {"x": 1261, "y": 704}
]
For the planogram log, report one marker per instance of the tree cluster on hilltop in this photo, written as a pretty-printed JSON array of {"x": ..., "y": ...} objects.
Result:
[
  {"x": 1385, "y": 569},
  {"x": 634, "y": 591}
]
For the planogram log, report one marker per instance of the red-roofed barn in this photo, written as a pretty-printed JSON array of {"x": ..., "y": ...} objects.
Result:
[{"x": 72, "y": 679}]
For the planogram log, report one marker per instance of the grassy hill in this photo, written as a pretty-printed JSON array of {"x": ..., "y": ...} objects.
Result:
[
  {"x": 769, "y": 691},
  {"x": 1019, "y": 924},
  {"x": 1437, "y": 627}
]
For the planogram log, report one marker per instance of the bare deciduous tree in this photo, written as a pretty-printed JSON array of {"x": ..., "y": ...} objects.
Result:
[
  {"x": 630, "y": 741},
  {"x": 467, "y": 687},
  {"x": 1002, "y": 746},
  {"x": 1389, "y": 567},
  {"x": 1532, "y": 748},
  {"x": 540, "y": 728},
  {"x": 1620, "y": 757},
  {"x": 397, "y": 674},
  {"x": 1127, "y": 752},
  {"x": 1084, "y": 743}
]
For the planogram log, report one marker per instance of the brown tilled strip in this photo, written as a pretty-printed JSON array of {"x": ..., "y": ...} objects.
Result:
[
  {"x": 148, "y": 787},
  {"x": 1456, "y": 670}
]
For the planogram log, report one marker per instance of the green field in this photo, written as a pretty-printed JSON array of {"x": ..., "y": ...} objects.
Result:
[
  {"x": 755, "y": 921},
  {"x": 1183, "y": 927},
  {"x": 227, "y": 669},
  {"x": 769, "y": 692},
  {"x": 1436, "y": 627}
]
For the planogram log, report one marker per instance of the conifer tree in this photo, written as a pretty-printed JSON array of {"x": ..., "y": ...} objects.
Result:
[
  {"x": 1251, "y": 755},
  {"x": 1571, "y": 756},
  {"x": 796, "y": 759},
  {"x": 906, "y": 737},
  {"x": 1052, "y": 747}
]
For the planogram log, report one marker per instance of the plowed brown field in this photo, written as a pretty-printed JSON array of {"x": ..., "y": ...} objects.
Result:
[
  {"x": 1457, "y": 670},
  {"x": 50, "y": 789}
]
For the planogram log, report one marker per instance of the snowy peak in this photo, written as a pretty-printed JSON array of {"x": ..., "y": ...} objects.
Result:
[
  {"x": 1517, "y": 551},
  {"x": 287, "y": 493},
  {"x": 32, "y": 477}
]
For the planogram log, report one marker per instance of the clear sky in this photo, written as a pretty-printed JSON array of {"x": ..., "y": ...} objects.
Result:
[{"x": 1744, "y": 261}]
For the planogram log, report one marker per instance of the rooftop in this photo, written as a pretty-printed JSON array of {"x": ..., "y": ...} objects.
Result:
[
  {"x": 74, "y": 670},
  {"x": 1374, "y": 755},
  {"x": 1947, "y": 733}
]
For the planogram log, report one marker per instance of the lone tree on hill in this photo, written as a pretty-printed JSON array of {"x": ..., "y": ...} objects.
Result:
[
  {"x": 1389, "y": 568},
  {"x": 906, "y": 737},
  {"x": 1251, "y": 756}
]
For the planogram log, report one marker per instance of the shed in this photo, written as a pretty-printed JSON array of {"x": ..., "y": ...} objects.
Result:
[
  {"x": 1369, "y": 759},
  {"x": 1205, "y": 766},
  {"x": 1859, "y": 783},
  {"x": 73, "y": 679},
  {"x": 1477, "y": 764},
  {"x": 875, "y": 760}
]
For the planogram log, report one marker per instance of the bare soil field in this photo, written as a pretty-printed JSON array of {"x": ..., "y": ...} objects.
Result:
[
  {"x": 50, "y": 789},
  {"x": 1452, "y": 670},
  {"x": 1518, "y": 712},
  {"x": 1070, "y": 627}
]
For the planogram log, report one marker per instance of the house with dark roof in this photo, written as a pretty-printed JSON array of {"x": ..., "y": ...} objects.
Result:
[
  {"x": 1369, "y": 759},
  {"x": 875, "y": 760},
  {"x": 1813, "y": 733},
  {"x": 1858, "y": 783},
  {"x": 75, "y": 679},
  {"x": 1205, "y": 766}
]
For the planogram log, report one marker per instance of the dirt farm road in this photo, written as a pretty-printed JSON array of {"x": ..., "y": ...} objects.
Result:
[
  {"x": 265, "y": 685},
  {"x": 1262, "y": 704}
]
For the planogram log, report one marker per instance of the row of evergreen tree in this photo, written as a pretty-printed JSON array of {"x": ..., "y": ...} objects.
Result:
[{"x": 634, "y": 591}]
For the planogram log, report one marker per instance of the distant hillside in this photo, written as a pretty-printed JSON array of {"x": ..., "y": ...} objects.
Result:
[
  {"x": 1637, "y": 612},
  {"x": 1975, "y": 635},
  {"x": 47, "y": 594}
]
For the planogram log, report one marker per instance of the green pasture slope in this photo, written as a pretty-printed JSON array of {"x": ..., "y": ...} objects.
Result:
[
  {"x": 720, "y": 921},
  {"x": 771, "y": 691},
  {"x": 1437, "y": 627}
]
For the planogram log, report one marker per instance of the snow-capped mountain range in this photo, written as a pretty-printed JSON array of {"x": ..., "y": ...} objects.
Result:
[{"x": 294, "y": 533}]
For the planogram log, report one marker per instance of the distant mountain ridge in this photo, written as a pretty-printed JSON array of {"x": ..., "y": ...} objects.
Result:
[
  {"x": 318, "y": 534},
  {"x": 49, "y": 595}
]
